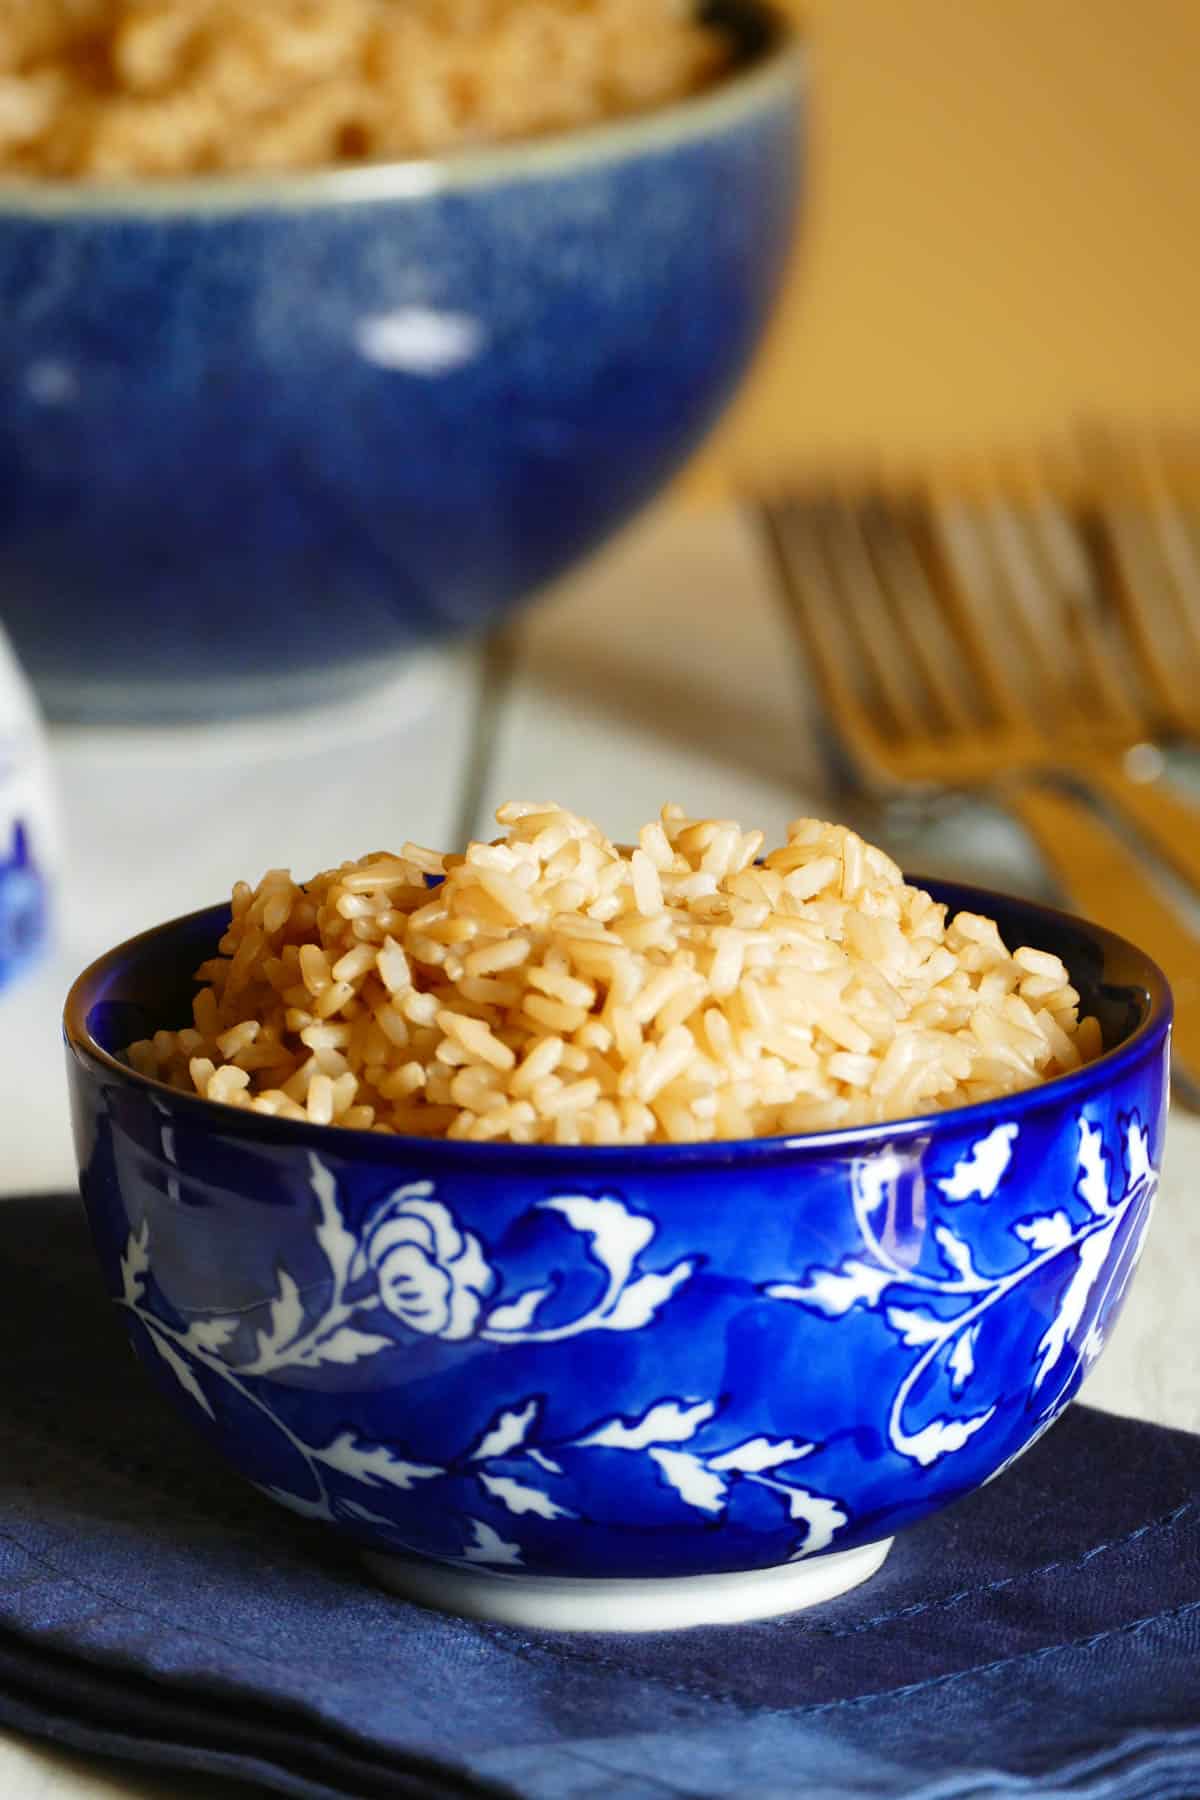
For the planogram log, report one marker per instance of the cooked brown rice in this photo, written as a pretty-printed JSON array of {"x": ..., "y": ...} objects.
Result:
[
  {"x": 554, "y": 988},
  {"x": 96, "y": 88}
]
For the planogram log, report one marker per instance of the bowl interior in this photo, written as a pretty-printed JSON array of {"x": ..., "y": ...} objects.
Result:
[
  {"x": 1117, "y": 982},
  {"x": 151, "y": 987}
]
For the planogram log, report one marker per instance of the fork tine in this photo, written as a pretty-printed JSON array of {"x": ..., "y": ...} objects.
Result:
[
  {"x": 808, "y": 589},
  {"x": 1084, "y": 746},
  {"x": 1147, "y": 562},
  {"x": 1168, "y": 512},
  {"x": 1178, "y": 545},
  {"x": 932, "y": 649},
  {"x": 1027, "y": 613},
  {"x": 1146, "y": 608},
  {"x": 1071, "y": 569},
  {"x": 882, "y": 646},
  {"x": 1024, "y": 543},
  {"x": 968, "y": 581},
  {"x": 1047, "y": 569}
]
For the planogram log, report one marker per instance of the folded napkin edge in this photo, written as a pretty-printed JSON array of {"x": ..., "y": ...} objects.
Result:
[{"x": 71, "y": 1700}]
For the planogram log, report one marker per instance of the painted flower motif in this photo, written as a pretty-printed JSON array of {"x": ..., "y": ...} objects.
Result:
[
  {"x": 432, "y": 1276},
  {"x": 415, "y": 1262}
]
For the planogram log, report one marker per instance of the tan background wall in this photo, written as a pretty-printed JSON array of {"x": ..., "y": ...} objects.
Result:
[{"x": 1003, "y": 231}]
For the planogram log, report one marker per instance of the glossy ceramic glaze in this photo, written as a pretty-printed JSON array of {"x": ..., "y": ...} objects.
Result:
[
  {"x": 28, "y": 826},
  {"x": 623, "y": 1364},
  {"x": 259, "y": 438}
]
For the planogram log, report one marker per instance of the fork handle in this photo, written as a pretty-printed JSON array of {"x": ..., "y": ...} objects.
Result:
[
  {"x": 1105, "y": 882},
  {"x": 1169, "y": 822}
]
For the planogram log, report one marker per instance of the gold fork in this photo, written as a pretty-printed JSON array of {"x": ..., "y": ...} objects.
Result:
[
  {"x": 1035, "y": 617},
  {"x": 917, "y": 684},
  {"x": 1148, "y": 526}
]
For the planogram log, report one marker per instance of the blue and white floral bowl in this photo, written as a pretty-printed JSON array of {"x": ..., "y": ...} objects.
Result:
[
  {"x": 622, "y": 1388},
  {"x": 259, "y": 437}
]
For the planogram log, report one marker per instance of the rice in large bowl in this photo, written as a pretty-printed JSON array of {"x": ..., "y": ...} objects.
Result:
[
  {"x": 315, "y": 405},
  {"x": 119, "y": 88}
]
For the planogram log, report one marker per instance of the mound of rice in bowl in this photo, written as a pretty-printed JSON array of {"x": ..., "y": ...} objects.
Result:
[
  {"x": 552, "y": 987},
  {"x": 120, "y": 88}
]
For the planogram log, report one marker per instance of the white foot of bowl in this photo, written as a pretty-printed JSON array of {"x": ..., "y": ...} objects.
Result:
[{"x": 549, "y": 1603}]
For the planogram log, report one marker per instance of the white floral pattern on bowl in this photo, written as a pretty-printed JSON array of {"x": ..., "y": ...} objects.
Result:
[{"x": 415, "y": 1267}]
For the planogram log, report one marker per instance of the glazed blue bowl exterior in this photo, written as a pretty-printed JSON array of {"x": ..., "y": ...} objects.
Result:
[
  {"x": 663, "y": 1361},
  {"x": 258, "y": 439}
]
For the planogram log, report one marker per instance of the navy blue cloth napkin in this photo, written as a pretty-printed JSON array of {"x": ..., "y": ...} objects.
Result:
[{"x": 1042, "y": 1637}]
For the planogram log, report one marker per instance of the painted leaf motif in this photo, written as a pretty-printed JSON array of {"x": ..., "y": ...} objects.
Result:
[
  {"x": 617, "y": 1235},
  {"x": 287, "y": 1317},
  {"x": 691, "y": 1480},
  {"x": 181, "y": 1372},
  {"x": 1135, "y": 1256},
  {"x": 212, "y": 1335},
  {"x": 545, "y": 1462},
  {"x": 507, "y": 1432},
  {"x": 1046, "y": 1231},
  {"x": 961, "y": 1360},
  {"x": 1092, "y": 1186},
  {"x": 346, "y": 1345},
  {"x": 1071, "y": 1308},
  {"x": 957, "y": 1255},
  {"x": 338, "y": 1244},
  {"x": 979, "y": 1175},
  {"x": 758, "y": 1454},
  {"x": 915, "y": 1325},
  {"x": 373, "y": 1464},
  {"x": 134, "y": 1264},
  {"x": 350, "y": 1509},
  {"x": 520, "y": 1499},
  {"x": 835, "y": 1291},
  {"x": 1138, "y": 1167},
  {"x": 875, "y": 1178},
  {"x": 822, "y": 1516},
  {"x": 940, "y": 1437},
  {"x": 307, "y": 1509},
  {"x": 516, "y": 1315},
  {"x": 948, "y": 1343},
  {"x": 489, "y": 1547},
  {"x": 640, "y": 1301},
  {"x": 667, "y": 1422}
]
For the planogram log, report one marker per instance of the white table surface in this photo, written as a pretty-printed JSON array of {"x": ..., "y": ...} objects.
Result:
[{"x": 663, "y": 671}]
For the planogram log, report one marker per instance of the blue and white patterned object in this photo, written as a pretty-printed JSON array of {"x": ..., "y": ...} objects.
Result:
[
  {"x": 26, "y": 826},
  {"x": 307, "y": 422},
  {"x": 635, "y": 1363}
]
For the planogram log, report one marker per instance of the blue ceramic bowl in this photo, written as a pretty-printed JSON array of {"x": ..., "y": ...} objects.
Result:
[
  {"x": 622, "y": 1386},
  {"x": 259, "y": 438}
]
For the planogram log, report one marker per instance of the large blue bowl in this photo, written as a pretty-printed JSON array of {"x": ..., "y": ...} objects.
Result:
[
  {"x": 553, "y": 1385},
  {"x": 259, "y": 438}
]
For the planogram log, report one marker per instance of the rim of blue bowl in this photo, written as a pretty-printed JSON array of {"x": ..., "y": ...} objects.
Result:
[
  {"x": 768, "y": 76},
  {"x": 1138, "y": 971}
]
